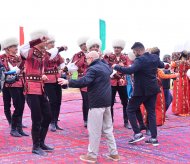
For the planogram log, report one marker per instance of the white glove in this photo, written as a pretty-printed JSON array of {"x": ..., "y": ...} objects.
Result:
[
  {"x": 53, "y": 52},
  {"x": 72, "y": 67},
  {"x": 113, "y": 73},
  {"x": 17, "y": 70},
  {"x": 14, "y": 68}
]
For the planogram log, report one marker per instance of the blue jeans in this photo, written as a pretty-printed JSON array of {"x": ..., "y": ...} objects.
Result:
[{"x": 168, "y": 98}]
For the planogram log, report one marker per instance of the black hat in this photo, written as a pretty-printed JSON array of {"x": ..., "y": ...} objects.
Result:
[{"x": 137, "y": 45}]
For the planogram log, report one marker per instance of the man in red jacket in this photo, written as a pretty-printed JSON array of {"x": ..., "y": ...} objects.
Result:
[
  {"x": 80, "y": 61},
  {"x": 34, "y": 53},
  {"x": 118, "y": 80},
  {"x": 11, "y": 61},
  {"x": 54, "y": 66}
]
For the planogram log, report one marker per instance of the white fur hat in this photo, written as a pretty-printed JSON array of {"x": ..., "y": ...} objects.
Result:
[
  {"x": 9, "y": 42},
  {"x": 131, "y": 56},
  {"x": 119, "y": 43},
  {"x": 51, "y": 39},
  {"x": 92, "y": 41},
  {"x": 38, "y": 34},
  {"x": 82, "y": 40}
]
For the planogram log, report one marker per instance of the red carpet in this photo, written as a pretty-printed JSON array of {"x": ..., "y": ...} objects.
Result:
[{"x": 174, "y": 138}]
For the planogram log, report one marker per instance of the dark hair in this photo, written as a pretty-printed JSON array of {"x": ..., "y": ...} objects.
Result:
[
  {"x": 166, "y": 57},
  {"x": 183, "y": 54},
  {"x": 137, "y": 45}
]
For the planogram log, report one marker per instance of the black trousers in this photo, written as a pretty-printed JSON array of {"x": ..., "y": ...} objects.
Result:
[
  {"x": 124, "y": 100},
  {"x": 140, "y": 118},
  {"x": 7, "y": 103},
  {"x": 168, "y": 98},
  {"x": 40, "y": 115},
  {"x": 16, "y": 93},
  {"x": 54, "y": 93},
  {"x": 149, "y": 103},
  {"x": 85, "y": 106}
]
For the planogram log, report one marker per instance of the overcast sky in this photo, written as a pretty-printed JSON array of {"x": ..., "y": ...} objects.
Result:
[{"x": 162, "y": 23}]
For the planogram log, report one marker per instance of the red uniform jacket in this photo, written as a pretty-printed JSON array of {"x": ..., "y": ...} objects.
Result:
[
  {"x": 80, "y": 61},
  {"x": 113, "y": 59},
  {"x": 34, "y": 69},
  {"x": 52, "y": 67},
  {"x": 14, "y": 60}
]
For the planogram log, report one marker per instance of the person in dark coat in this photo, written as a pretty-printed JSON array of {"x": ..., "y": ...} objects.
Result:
[
  {"x": 146, "y": 89},
  {"x": 97, "y": 80}
]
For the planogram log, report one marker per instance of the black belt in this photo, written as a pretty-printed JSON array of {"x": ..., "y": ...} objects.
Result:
[
  {"x": 35, "y": 78},
  {"x": 51, "y": 72}
]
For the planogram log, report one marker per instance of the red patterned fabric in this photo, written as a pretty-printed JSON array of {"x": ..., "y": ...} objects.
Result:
[
  {"x": 181, "y": 90},
  {"x": 80, "y": 61},
  {"x": 160, "y": 109},
  {"x": 34, "y": 66},
  {"x": 51, "y": 68},
  {"x": 113, "y": 59},
  {"x": 14, "y": 60}
]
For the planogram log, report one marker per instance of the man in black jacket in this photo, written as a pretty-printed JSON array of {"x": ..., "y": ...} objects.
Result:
[
  {"x": 145, "y": 90},
  {"x": 166, "y": 82},
  {"x": 97, "y": 80}
]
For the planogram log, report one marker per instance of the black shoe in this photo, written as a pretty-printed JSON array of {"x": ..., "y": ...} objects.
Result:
[
  {"x": 127, "y": 125},
  {"x": 152, "y": 141},
  {"x": 52, "y": 127},
  {"x": 39, "y": 151},
  {"x": 137, "y": 137},
  {"x": 15, "y": 133},
  {"x": 22, "y": 133},
  {"x": 58, "y": 128},
  {"x": 85, "y": 124},
  {"x": 148, "y": 133},
  {"x": 45, "y": 147}
]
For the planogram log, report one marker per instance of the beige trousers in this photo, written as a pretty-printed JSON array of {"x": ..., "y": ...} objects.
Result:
[{"x": 100, "y": 122}]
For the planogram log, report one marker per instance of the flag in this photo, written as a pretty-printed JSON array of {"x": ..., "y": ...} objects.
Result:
[
  {"x": 102, "y": 32},
  {"x": 21, "y": 33}
]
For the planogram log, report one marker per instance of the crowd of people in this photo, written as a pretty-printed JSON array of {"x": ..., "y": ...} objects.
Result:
[{"x": 37, "y": 73}]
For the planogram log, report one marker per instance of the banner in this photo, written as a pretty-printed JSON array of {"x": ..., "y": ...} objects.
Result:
[{"x": 102, "y": 32}]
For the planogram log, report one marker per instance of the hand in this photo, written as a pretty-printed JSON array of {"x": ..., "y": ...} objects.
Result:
[
  {"x": 113, "y": 73},
  {"x": 44, "y": 77},
  {"x": 60, "y": 71},
  {"x": 121, "y": 64},
  {"x": 65, "y": 48},
  {"x": 122, "y": 81},
  {"x": 62, "y": 81},
  {"x": 177, "y": 74},
  {"x": 113, "y": 65}
]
